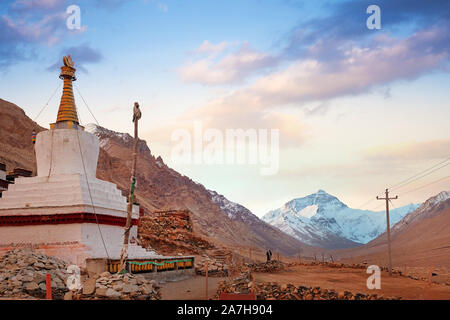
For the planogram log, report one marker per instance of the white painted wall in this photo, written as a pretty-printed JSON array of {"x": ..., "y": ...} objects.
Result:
[{"x": 58, "y": 152}]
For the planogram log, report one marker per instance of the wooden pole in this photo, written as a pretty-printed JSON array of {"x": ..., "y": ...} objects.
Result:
[
  {"x": 388, "y": 228},
  {"x": 126, "y": 238}
]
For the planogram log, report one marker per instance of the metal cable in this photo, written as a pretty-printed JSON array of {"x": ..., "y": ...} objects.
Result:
[
  {"x": 90, "y": 196},
  {"x": 76, "y": 87},
  {"x": 48, "y": 101}
]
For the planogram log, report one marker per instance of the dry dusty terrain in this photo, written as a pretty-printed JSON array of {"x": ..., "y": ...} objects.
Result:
[
  {"x": 354, "y": 280},
  {"x": 342, "y": 279}
]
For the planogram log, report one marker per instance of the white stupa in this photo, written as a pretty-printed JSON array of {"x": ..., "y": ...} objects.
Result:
[{"x": 65, "y": 210}]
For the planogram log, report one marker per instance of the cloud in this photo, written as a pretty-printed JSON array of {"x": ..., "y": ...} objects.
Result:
[
  {"x": 321, "y": 109},
  {"x": 347, "y": 22},
  {"x": 357, "y": 69},
  {"x": 233, "y": 67},
  {"x": 81, "y": 55},
  {"x": 163, "y": 6},
  {"x": 213, "y": 49},
  {"x": 27, "y": 24},
  {"x": 35, "y": 4},
  {"x": 360, "y": 69},
  {"x": 434, "y": 149}
]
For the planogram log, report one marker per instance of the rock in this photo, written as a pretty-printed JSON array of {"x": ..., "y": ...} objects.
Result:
[
  {"x": 146, "y": 289},
  {"x": 68, "y": 295},
  {"x": 118, "y": 286},
  {"x": 341, "y": 295},
  {"x": 100, "y": 292},
  {"x": 110, "y": 293},
  {"x": 30, "y": 286},
  {"x": 127, "y": 288},
  {"x": 89, "y": 286},
  {"x": 38, "y": 277}
]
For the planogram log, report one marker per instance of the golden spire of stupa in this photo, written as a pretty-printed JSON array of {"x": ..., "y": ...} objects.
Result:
[{"x": 67, "y": 112}]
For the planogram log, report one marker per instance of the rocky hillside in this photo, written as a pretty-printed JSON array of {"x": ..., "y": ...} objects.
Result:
[
  {"x": 269, "y": 236},
  {"x": 16, "y": 148},
  {"x": 158, "y": 186},
  {"x": 429, "y": 209},
  {"x": 421, "y": 238},
  {"x": 162, "y": 188},
  {"x": 321, "y": 219}
]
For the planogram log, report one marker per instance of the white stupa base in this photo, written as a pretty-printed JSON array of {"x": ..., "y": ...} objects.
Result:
[
  {"x": 74, "y": 243},
  {"x": 68, "y": 196}
]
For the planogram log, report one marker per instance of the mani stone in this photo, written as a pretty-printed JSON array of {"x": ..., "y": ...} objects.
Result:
[{"x": 89, "y": 286}]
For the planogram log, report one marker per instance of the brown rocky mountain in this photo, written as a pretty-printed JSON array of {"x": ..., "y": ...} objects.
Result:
[
  {"x": 158, "y": 186},
  {"x": 16, "y": 148},
  {"x": 421, "y": 238}
]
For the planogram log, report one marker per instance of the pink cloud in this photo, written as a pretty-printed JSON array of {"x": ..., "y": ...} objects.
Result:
[{"x": 224, "y": 69}]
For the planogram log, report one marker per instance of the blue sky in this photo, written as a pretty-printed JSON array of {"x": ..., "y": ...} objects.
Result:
[{"x": 357, "y": 109}]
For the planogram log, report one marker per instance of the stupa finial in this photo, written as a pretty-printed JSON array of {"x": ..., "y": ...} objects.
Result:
[{"x": 67, "y": 113}]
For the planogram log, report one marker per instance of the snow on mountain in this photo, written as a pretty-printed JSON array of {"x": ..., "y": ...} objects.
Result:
[
  {"x": 232, "y": 209},
  {"x": 320, "y": 219},
  {"x": 426, "y": 210},
  {"x": 264, "y": 230},
  {"x": 308, "y": 211},
  {"x": 108, "y": 137}
]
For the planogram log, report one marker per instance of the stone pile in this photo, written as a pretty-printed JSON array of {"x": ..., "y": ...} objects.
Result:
[
  {"x": 270, "y": 266},
  {"x": 23, "y": 274},
  {"x": 107, "y": 286},
  {"x": 171, "y": 232},
  {"x": 223, "y": 255},
  {"x": 216, "y": 268},
  {"x": 245, "y": 284}
]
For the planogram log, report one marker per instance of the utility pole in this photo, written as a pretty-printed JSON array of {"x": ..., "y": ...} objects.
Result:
[
  {"x": 388, "y": 227},
  {"x": 126, "y": 238}
]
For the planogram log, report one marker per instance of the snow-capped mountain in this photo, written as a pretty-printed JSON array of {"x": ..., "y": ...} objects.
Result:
[
  {"x": 427, "y": 210},
  {"x": 320, "y": 219}
]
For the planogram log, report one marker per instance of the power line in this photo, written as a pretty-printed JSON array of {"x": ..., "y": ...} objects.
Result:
[
  {"x": 421, "y": 176},
  {"x": 426, "y": 185},
  {"x": 423, "y": 171}
]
